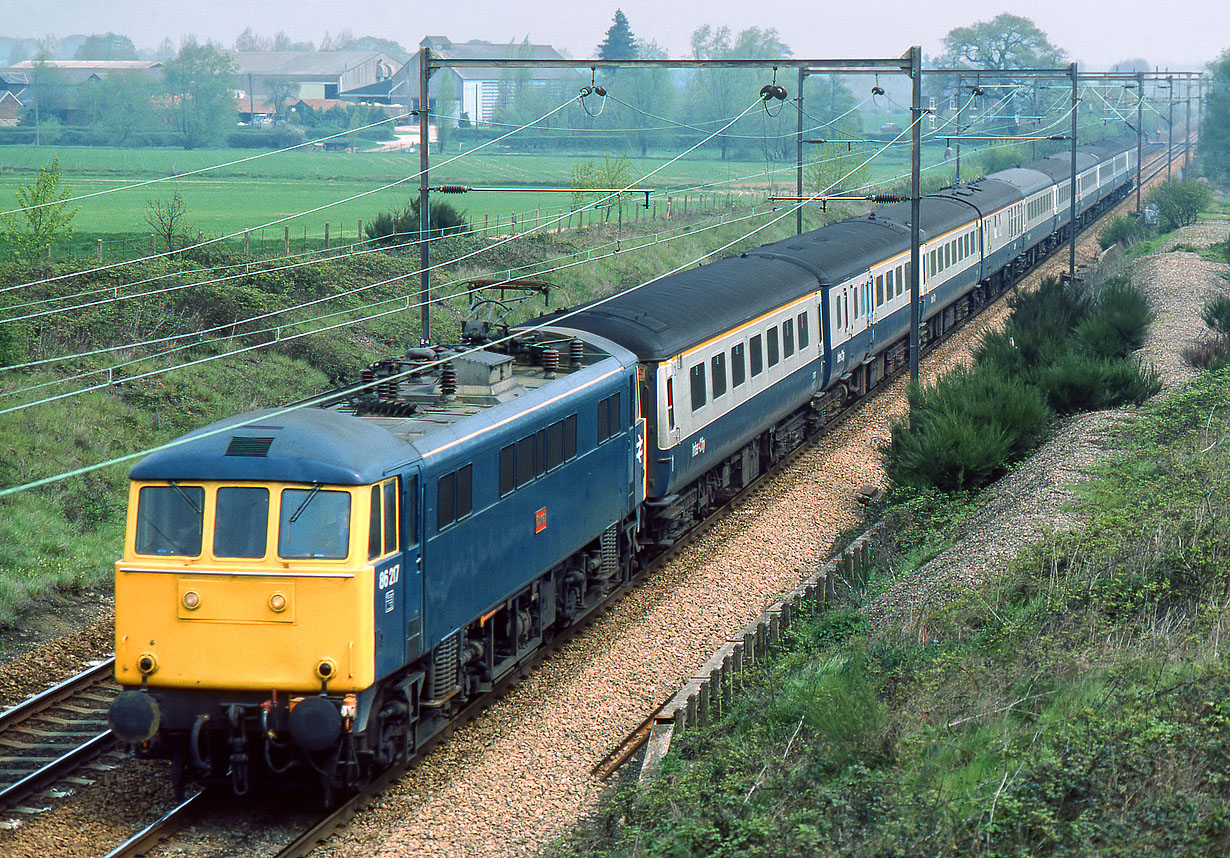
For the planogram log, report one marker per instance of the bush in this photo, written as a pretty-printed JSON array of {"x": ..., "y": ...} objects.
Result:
[
  {"x": 1083, "y": 382},
  {"x": 963, "y": 430},
  {"x": 1122, "y": 229},
  {"x": 1179, "y": 201},
  {"x": 1118, "y": 323},
  {"x": 402, "y": 225},
  {"x": 1216, "y": 315},
  {"x": 282, "y": 137}
]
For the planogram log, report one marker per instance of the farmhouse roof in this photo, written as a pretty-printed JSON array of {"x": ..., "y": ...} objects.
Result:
[
  {"x": 476, "y": 49},
  {"x": 305, "y": 65},
  {"x": 92, "y": 65}
]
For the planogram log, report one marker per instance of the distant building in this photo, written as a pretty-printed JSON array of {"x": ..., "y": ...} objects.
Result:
[
  {"x": 10, "y": 108},
  {"x": 313, "y": 74},
  {"x": 480, "y": 91},
  {"x": 63, "y": 80}
]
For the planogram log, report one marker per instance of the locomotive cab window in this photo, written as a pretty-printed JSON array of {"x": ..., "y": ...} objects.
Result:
[
  {"x": 241, "y": 522},
  {"x": 170, "y": 520},
  {"x": 314, "y": 524}
]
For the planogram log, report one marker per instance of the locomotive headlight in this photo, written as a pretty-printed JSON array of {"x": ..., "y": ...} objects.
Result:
[
  {"x": 277, "y": 603},
  {"x": 192, "y": 600},
  {"x": 326, "y": 669},
  {"x": 147, "y": 663}
]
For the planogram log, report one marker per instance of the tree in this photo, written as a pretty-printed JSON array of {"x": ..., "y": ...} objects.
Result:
[
  {"x": 198, "y": 82},
  {"x": 43, "y": 216},
  {"x": 1215, "y": 129},
  {"x": 168, "y": 219},
  {"x": 281, "y": 90},
  {"x": 121, "y": 105},
  {"x": 619, "y": 43},
  {"x": 109, "y": 46},
  {"x": 611, "y": 174},
  {"x": 650, "y": 93},
  {"x": 1004, "y": 42},
  {"x": 719, "y": 95}
]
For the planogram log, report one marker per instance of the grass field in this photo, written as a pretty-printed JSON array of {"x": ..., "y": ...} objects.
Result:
[{"x": 342, "y": 188}]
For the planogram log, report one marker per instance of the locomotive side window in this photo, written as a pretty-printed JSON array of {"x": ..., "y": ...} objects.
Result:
[
  {"x": 241, "y": 522},
  {"x": 788, "y": 337},
  {"x": 446, "y": 500},
  {"x": 757, "y": 356},
  {"x": 525, "y": 461},
  {"x": 608, "y": 417},
  {"x": 697, "y": 378},
  {"x": 374, "y": 542},
  {"x": 390, "y": 516},
  {"x": 718, "y": 368},
  {"x": 412, "y": 516},
  {"x": 314, "y": 524},
  {"x": 555, "y": 445},
  {"x": 570, "y": 437},
  {"x": 738, "y": 372},
  {"x": 803, "y": 336},
  {"x": 454, "y": 496},
  {"x": 508, "y": 478},
  {"x": 541, "y": 452},
  {"x": 774, "y": 354},
  {"x": 170, "y": 520}
]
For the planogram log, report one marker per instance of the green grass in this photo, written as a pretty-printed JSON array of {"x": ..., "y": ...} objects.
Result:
[{"x": 243, "y": 196}]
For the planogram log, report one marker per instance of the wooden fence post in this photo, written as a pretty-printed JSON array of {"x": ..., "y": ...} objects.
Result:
[
  {"x": 286, "y": 240},
  {"x": 326, "y": 235}
]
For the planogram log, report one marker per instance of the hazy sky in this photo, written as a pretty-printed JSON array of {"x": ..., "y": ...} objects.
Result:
[{"x": 1095, "y": 32}]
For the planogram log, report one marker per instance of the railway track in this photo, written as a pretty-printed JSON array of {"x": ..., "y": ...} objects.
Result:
[{"x": 50, "y": 736}]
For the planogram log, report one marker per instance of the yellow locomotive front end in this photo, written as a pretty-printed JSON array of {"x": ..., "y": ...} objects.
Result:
[
  {"x": 245, "y": 587},
  {"x": 259, "y": 600}
]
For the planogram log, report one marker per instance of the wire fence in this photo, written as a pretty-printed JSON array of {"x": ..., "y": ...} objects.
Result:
[{"x": 340, "y": 238}]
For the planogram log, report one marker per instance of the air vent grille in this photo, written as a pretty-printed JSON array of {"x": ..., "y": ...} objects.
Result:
[{"x": 248, "y": 446}]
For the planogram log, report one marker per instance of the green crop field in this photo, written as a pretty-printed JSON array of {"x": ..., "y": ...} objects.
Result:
[{"x": 259, "y": 192}]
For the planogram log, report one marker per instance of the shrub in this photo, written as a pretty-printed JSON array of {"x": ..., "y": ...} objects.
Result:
[
  {"x": 1216, "y": 315},
  {"x": 1083, "y": 382},
  {"x": 1122, "y": 229},
  {"x": 402, "y": 225},
  {"x": 1179, "y": 201},
  {"x": 1206, "y": 353},
  {"x": 1118, "y": 323},
  {"x": 963, "y": 430}
]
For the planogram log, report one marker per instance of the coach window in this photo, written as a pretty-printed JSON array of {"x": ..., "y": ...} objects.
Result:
[
  {"x": 774, "y": 353},
  {"x": 837, "y": 312},
  {"x": 738, "y": 372},
  {"x": 879, "y": 289},
  {"x": 855, "y": 290},
  {"x": 757, "y": 356},
  {"x": 314, "y": 524},
  {"x": 788, "y": 337},
  {"x": 717, "y": 367},
  {"x": 241, "y": 521},
  {"x": 697, "y": 377},
  {"x": 803, "y": 338},
  {"x": 170, "y": 520}
]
